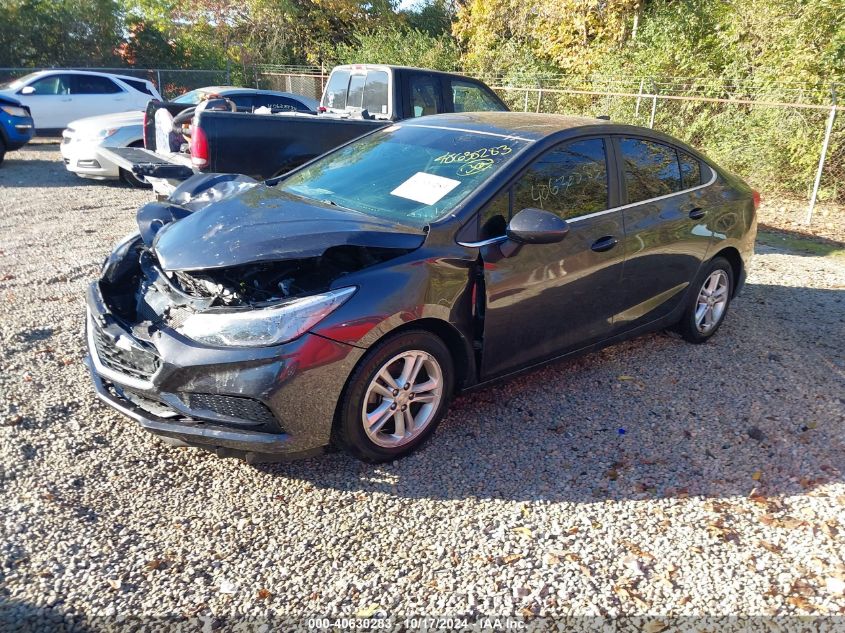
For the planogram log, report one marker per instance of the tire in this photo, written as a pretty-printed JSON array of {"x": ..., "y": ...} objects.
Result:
[
  {"x": 2, "y": 150},
  {"x": 705, "y": 313},
  {"x": 393, "y": 409},
  {"x": 131, "y": 179}
]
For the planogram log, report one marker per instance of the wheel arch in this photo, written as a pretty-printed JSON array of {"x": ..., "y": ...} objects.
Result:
[{"x": 731, "y": 254}]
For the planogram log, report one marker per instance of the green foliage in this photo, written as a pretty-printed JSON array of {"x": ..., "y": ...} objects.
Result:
[{"x": 402, "y": 46}]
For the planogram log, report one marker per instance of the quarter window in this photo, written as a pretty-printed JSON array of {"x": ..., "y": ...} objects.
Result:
[
  {"x": 651, "y": 169},
  {"x": 690, "y": 170},
  {"x": 570, "y": 181}
]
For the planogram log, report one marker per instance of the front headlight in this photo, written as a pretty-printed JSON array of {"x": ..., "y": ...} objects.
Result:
[
  {"x": 14, "y": 110},
  {"x": 99, "y": 135},
  {"x": 264, "y": 326}
]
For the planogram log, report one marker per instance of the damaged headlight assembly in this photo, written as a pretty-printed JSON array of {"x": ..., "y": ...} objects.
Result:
[{"x": 262, "y": 327}]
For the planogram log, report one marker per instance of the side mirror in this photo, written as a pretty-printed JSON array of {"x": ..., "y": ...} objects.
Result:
[
  {"x": 535, "y": 226},
  {"x": 27, "y": 90}
]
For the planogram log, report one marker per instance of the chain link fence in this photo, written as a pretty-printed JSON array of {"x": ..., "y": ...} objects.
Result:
[
  {"x": 773, "y": 136},
  {"x": 787, "y": 139}
]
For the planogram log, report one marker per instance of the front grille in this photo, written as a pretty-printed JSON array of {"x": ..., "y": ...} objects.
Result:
[
  {"x": 232, "y": 406},
  {"x": 134, "y": 362}
]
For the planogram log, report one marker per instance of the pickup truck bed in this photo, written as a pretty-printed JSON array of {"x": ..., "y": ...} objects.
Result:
[{"x": 358, "y": 99}]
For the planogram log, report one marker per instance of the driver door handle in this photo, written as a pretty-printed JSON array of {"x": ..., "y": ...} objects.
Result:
[
  {"x": 604, "y": 244},
  {"x": 697, "y": 213}
]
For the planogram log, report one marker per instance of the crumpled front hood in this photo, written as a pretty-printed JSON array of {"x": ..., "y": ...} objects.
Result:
[{"x": 264, "y": 224}]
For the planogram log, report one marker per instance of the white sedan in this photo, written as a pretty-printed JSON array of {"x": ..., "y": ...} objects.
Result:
[
  {"x": 57, "y": 97},
  {"x": 83, "y": 138}
]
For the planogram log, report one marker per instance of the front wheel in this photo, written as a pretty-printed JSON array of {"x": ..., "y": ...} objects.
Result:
[
  {"x": 2, "y": 151},
  {"x": 395, "y": 398},
  {"x": 708, "y": 304}
]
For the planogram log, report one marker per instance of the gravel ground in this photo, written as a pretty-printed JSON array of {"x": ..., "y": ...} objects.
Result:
[{"x": 652, "y": 478}]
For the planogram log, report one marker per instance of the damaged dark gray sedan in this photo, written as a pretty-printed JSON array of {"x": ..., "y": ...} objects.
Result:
[{"x": 346, "y": 302}]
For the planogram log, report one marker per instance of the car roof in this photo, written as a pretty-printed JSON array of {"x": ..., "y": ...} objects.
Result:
[
  {"x": 66, "y": 71},
  {"x": 224, "y": 90},
  {"x": 392, "y": 67},
  {"x": 537, "y": 126},
  {"x": 527, "y": 125}
]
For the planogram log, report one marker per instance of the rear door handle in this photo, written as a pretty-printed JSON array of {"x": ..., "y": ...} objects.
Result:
[
  {"x": 697, "y": 213},
  {"x": 604, "y": 244}
]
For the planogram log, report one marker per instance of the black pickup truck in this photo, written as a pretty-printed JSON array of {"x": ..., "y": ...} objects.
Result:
[{"x": 357, "y": 99}]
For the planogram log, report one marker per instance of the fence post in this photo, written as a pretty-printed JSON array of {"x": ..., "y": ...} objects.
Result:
[
  {"x": 525, "y": 109},
  {"x": 158, "y": 79},
  {"x": 825, "y": 144},
  {"x": 539, "y": 94},
  {"x": 639, "y": 98},
  {"x": 653, "y": 105}
]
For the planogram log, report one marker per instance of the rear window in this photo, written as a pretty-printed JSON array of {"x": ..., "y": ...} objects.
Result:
[
  {"x": 356, "y": 91},
  {"x": 335, "y": 95},
  {"x": 140, "y": 86},
  {"x": 375, "y": 92}
]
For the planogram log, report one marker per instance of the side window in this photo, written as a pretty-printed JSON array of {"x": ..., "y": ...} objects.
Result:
[
  {"x": 52, "y": 85},
  {"x": 243, "y": 102},
  {"x": 375, "y": 92},
  {"x": 690, "y": 170},
  {"x": 569, "y": 181},
  {"x": 494, "y": 218},
  {"x": 93, "y": 85},
  {"x": 651, "y": 169},
  {"x": 356, "y": 92},
  {"x": 335, "y": 94},
  {"x": 425, "y": 97},
  {"x": 470, "y": 97}
]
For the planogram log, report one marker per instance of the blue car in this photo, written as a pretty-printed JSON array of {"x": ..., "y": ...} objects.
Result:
[{"x": 16, "y": 127}]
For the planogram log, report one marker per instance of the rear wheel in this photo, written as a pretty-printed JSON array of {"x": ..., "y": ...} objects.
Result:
[
  {"x": 708, "y": 304},
  {"x": 131, "y": 179},
  {"x": 2, "y": 151},
  {"x": 396, "y": 397}
]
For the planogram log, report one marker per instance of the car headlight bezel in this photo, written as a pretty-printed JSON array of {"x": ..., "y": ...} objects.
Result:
[
  {"x": 263, "y": 327},
  {"x": 13, "y": 110}
]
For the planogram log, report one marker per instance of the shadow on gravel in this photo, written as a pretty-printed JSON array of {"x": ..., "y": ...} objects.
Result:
[
  {"x": 19, "y": 170},
  {"x": 798, "y": 243},
  {"x": 24, "y": 617},
  {"x": 761, "y": 407}
]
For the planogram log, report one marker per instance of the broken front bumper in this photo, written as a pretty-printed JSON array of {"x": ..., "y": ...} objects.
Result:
[{"x": 256, "y": 403}]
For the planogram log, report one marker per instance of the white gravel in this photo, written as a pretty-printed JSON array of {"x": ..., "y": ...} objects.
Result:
[{"x": 652, "y": 478}]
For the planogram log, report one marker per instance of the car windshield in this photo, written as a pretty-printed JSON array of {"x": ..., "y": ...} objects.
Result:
[
  {"x": 409, "y": 174},
  {"x": 14, "y": 84}
]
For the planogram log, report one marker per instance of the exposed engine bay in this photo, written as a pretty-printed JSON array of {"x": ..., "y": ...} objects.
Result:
[
  {"x": 269, "y": 282},
  {"x": 138, "y": 290}
]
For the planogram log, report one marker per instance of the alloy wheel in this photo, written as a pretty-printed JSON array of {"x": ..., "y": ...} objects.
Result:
[
  {"x": 402, "y": 398},
  {"x": 712, "y": 301}
]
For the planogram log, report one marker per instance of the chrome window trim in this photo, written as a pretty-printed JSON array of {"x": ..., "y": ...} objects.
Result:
[
  {"x": 648, "y": 200},
  {"x": 502, "y": 238}
]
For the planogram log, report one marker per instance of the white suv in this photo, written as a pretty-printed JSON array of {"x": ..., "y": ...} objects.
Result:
[{"x": 57, "y": 97}]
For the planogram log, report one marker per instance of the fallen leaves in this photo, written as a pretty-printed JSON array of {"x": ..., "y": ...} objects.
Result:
[
  {"x": 263, "y": 594},
  {"x": 368, "y": 611},
  {"x": 757, "y": 475},
  {"x": 774, "y": 549},
  {"x": 523, "y": 531}
]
